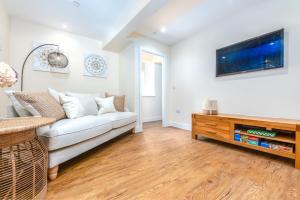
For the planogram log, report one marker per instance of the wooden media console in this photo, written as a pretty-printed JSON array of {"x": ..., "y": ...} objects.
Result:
[{"x": 226, "y": 127}]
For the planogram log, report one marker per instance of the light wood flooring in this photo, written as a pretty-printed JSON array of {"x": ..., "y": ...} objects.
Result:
[{"x": 166, "y": 164}]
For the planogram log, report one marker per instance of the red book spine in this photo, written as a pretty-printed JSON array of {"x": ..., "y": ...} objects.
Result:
[{"x": 253, "y": 138}]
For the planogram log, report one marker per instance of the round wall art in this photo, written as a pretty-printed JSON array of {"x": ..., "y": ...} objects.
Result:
[{"x": 95, "y": 65}]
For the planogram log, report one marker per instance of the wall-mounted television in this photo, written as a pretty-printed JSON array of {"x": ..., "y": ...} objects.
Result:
[{"x": 260, "y": 53}]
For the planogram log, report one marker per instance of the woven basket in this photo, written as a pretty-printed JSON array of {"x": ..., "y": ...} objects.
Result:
[{"x": 23, "y": 166}]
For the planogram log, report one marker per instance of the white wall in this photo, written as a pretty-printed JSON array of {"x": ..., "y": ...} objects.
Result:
[
  {"x": 4, "y": 33},
  {"x": 152, "y": 105},
  {"x": 22, "y": 36},
  {"x": 271, "y": 94},
  {"x": 127, "y": 76},
  {"x": 4, "y": 47}
]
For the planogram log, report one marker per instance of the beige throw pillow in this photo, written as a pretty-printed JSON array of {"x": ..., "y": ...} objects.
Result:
[
  {"x": 119, "y": 101},
  {"x": 43, "y": 103}
]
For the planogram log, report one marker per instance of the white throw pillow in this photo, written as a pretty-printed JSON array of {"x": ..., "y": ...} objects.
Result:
[
  {"x": 87, "y": 101},
  {"x": 21, "y": 110},
  {"x": 72, "y": 106},
  {"x": 106, "y": 105}
]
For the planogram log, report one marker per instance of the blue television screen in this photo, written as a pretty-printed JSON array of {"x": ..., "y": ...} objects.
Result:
[{"x": 261, "y": 53}]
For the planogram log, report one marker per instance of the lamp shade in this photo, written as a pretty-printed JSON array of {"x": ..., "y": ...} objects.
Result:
[
  {"x": 58, "y": 60},
  {"x": 8, "y": 76}
]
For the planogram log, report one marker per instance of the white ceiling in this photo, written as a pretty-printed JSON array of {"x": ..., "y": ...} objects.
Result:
[
  {"x": 93, "y": 18},
  {"x": 185, "y": 17},
  {"x": 113, "y": 21}
]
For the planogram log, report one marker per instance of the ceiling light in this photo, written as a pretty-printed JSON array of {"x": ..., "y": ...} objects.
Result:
[
  {"x": 64, "y": 26},
  {"x": 76, "y": 4},
  {"x": 163, "y": 29}
]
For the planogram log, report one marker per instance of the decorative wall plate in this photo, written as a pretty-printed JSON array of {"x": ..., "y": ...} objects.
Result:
[
  {"x": 95, "y": 65},
  {"x": 40, "y": 59}
]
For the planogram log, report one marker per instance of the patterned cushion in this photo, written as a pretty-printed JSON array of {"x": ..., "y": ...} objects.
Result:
[
  {"x": 119, "y": 102},
  {"x": 43, "y": 103}
]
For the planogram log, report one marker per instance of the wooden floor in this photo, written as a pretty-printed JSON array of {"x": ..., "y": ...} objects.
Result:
[{"x": 166, "y": 164}]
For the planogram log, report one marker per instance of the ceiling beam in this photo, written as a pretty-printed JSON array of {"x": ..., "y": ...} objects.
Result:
[{"x": 123, "y": 37}]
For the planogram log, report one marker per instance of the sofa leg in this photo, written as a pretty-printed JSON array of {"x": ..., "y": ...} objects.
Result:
[
  {"x": 132, "y": 131},
  {"x": 52, "y": 173}
]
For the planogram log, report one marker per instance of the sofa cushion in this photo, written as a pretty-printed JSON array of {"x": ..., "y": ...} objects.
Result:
[
  {"x": 106, "y": 105},
  {"x": 119, "y": 101},
  {"x": 87, "y": 101},
  {"x": 73, "y": 108},
  {"x": 43, "y": 103},
  {"x": 55, "y": 94},
  {"x": 19, "y": 108},
  {"x": 67, "y": 132},
  {"x": 120, "y": 119},
  {"x": 61, "y": 155}
]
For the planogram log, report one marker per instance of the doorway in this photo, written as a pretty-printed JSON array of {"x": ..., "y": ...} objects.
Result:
[{"x": 151, "y": 88}]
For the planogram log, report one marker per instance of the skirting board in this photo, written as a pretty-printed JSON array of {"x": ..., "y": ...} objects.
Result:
[
  {"x": 152, "y": 119},
  {"x": 183, "y": 126}
]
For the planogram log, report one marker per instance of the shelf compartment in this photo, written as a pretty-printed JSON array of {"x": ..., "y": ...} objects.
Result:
[
  {"x": 280, "y": 137},
  {"x": 266, "y": 150},
  {"x": 258, "y": 148}
]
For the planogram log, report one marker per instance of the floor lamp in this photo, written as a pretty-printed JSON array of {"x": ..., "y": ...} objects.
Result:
[{"x": 55, "y": 59}]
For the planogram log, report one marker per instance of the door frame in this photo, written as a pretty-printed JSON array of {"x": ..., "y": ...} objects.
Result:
[{"x": 138, "y": 92}]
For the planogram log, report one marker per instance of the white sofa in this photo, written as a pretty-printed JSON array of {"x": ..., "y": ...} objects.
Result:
[{"x": 68, "y": 138}]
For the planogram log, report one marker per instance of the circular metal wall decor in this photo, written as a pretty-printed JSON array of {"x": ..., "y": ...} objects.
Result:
[
  {"x": 95, "y": 65},
  {"x": 58, "y": 60}
]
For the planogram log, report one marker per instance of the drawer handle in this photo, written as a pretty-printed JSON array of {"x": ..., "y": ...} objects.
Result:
[
  {"x": 211, "y": 124},
  {"x": 211, "y": 132}
]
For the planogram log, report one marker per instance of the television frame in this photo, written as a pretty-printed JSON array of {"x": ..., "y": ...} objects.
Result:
[{"x": 281, "y": 31}]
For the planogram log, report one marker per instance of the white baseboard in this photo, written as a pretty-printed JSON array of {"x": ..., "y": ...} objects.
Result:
[
  {"x": 183, "y": 126},
  {"x": 152, "y": 119}
]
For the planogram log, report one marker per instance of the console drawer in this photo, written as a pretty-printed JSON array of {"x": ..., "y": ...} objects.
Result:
[
  {"x": 222, "y": 125},
  {"x": 212, "y": 131},
  {"x": 212, "y": 126},
  {"x": 210, "y": 118}
]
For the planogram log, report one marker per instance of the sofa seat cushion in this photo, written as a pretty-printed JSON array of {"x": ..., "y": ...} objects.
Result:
[
  {"x": 67, "y": 132},
  {"x": 120, "y": 119}
]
